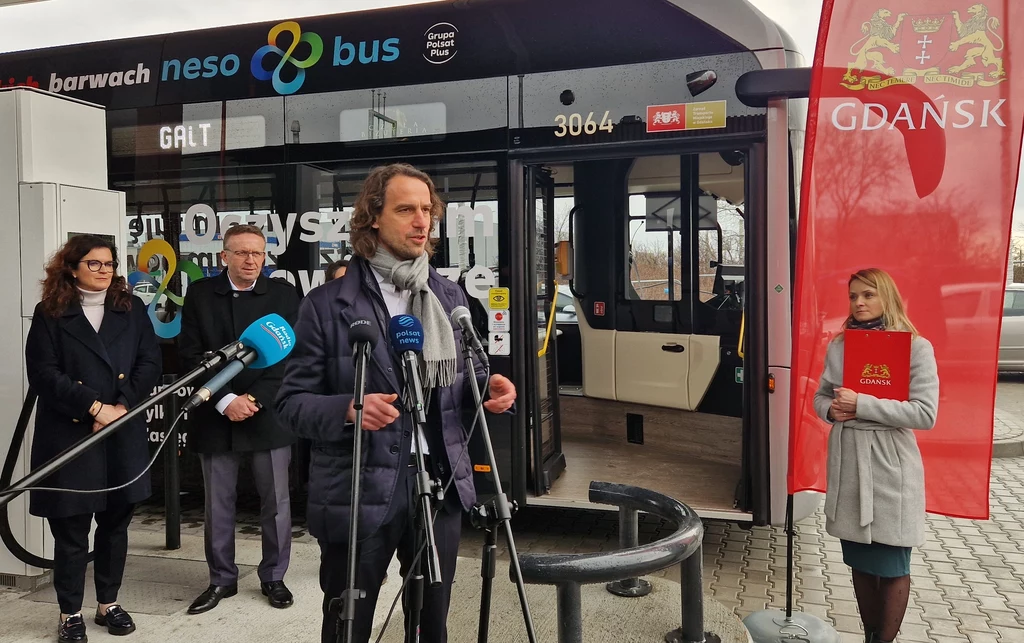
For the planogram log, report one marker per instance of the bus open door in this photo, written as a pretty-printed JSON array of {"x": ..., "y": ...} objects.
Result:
[{"x": 639, "y": 376}]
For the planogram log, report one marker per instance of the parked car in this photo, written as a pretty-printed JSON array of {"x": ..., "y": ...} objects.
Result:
[
  {"x": 1011, "y": 337},
  {"x": 145, "y": 291}
]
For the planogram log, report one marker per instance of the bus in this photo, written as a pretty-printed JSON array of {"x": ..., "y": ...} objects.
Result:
[{"x": 621, "y": 184}]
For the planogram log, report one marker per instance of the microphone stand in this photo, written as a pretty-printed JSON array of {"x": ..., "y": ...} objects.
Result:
[
  {"x": 425, "y": 490},
  {"x": 83, "y": 445},
  {"x": 498, "y": 511},
  {"x": 347, "y": 611}
]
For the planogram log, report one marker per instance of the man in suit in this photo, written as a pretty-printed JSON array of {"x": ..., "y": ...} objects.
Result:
[
  {"x": 389, "y": 275},
  {"x": 239, "y": 421}
]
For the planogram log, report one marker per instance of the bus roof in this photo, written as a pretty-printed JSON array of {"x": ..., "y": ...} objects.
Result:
[
  {"x": 742, "y": 21},
  {"x": 429, "y": 42}
]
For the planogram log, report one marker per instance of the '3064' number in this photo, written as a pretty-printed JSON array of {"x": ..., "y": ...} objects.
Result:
[{"x": 574, "y": 125}]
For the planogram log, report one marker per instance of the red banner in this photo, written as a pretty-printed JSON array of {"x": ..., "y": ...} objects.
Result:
[{"x": 911, "y": 163}]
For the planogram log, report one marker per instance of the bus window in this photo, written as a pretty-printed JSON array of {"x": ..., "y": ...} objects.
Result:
[{"x": 655, "y": 246}]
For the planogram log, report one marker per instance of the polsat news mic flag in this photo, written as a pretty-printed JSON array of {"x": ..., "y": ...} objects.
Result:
[{"x": 911, "y": 163}]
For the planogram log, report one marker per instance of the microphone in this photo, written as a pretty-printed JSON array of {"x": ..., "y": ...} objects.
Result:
[
  {"x": 406, "y": 334},
  {"x": 362, "y": 337},
  {"x": 363, "y": 331},
  {"x": 266, "y": 341},
  {"x": 462, "y": 318}
]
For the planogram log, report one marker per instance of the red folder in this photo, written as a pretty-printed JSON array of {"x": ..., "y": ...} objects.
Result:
[{"x": 877, "y": 362}]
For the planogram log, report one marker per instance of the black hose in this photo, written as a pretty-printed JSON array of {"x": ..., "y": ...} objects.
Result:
[{"x": 6, "y": 535}]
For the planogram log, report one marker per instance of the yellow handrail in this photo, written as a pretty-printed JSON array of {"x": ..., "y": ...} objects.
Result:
[
  {"x": 551, "y": 321},
  {"x": 739, "y": 345}
]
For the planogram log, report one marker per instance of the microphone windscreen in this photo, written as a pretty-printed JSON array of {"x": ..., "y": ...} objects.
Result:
[
  {"x": 406, "y": 334},
  {"x": 460, "y": 312},
  {"x": 363, "y": 331},
  {"x": 271, "y": 337}
]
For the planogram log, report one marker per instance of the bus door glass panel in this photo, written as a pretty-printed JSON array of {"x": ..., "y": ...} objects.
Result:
[
  {"x": 540, "y": 219},
  {"x": 719, "y": 265},
  {"x": 652, "y": 342}
]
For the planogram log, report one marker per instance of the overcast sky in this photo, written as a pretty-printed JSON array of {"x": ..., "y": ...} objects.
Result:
[{"x": 51, "y": 23}]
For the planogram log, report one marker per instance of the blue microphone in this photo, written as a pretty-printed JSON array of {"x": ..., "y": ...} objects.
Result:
[
  {"x": 406, "y": 333},
  {"x": 266, "y": 341}
]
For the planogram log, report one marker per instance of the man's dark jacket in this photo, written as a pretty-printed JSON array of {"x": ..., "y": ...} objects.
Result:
[
  {"x": 213, "y": 316},
  {"x": 318, "y": 387}
]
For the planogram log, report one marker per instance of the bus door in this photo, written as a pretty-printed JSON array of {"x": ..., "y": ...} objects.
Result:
[
  {"x": 648, "y": 354},
  {"x": 545, "y": 435}
]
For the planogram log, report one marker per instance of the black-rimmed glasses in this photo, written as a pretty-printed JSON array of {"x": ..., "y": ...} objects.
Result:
[
  {"x": 95, "y": 265},
  {"x": 244, "y": 254}
]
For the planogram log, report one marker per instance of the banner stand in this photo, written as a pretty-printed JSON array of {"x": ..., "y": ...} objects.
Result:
[{"x": 773, "y": 626}]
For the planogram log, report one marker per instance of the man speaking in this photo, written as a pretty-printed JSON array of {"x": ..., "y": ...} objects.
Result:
[{"x": 389, "y": 275}]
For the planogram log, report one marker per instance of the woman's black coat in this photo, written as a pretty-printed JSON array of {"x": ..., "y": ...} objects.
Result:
[{"x": 70, "y": 366}]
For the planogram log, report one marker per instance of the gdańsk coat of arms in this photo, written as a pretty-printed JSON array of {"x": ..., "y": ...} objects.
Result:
[{"x": 934, "y": 48}]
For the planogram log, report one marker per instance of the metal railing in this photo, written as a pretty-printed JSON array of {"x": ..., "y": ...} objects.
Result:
[{"x": 621, "y": 569}]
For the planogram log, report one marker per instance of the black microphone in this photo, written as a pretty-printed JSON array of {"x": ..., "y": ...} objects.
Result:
[
  {"x": 461, "y": 317},
  {"x": 407, "y": 341},
  {"x": 406, "y": 333},
  {"x": 363, "y": 331},
  {"x": 362, "y": 337}
]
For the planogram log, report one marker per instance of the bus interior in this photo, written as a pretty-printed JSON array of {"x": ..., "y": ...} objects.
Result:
[{"x": 641, "y": 262}]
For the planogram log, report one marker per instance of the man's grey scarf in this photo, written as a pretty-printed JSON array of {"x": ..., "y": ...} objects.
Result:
[{"x": 439, "y": 354}]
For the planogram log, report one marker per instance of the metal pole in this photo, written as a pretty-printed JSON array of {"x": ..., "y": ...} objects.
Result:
[
  {"x": 691, "y": 593},
  {"x": 172, "y": 477},
  {"x": 569, "y": 613},
  {"x": 629, "y": 537}
]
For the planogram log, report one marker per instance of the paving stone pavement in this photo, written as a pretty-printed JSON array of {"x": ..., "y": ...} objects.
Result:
[
  {"x": 967, "y": 580},
  {"x": 1007, "y": 435}
]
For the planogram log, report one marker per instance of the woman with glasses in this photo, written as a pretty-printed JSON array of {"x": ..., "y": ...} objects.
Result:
[{"x": 91, "y": 355}]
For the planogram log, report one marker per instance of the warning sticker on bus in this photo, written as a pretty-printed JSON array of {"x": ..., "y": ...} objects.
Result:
[
  {"x": 685, "y": 116},
  {"x": 498, "y": 298}
]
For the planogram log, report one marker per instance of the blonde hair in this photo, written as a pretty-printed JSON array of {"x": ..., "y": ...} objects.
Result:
[{"x": 894, "y": 314}]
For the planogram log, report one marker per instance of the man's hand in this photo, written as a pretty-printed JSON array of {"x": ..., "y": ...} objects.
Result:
[
  {"x": 502, "y": 394},
  {"x": 240, "y": 409},
  {"x": 378, "y": 411}
]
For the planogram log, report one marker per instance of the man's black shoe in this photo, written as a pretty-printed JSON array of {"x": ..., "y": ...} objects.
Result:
[
  {"x": 117, "y": 621},
  {"x": 72, "y": 630},
  {"x": 277, "y": 593},
  {"x": 209, "y": 599}
]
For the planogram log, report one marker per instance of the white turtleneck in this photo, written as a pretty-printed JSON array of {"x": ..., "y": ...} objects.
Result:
[{"x": 92, "y": 306}]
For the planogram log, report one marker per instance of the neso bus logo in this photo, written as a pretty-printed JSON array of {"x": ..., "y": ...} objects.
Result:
[{"x": 316, "y": 47}]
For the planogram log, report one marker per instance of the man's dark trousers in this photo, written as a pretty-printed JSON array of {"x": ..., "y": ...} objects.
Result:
[{"x": 374, "y": 554}]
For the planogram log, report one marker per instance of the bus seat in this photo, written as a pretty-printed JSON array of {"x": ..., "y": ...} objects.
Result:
[{"x": 598, "y": 349}]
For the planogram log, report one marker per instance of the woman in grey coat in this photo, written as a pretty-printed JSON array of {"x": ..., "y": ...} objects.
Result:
[{"x": 875, "y": 501}]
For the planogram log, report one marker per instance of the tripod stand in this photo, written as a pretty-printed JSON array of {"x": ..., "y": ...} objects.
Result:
[{"x": 488, "y": 516}]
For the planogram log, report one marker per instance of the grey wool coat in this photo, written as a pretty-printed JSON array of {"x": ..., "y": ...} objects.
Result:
[{"x": 875, "y": 490}]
